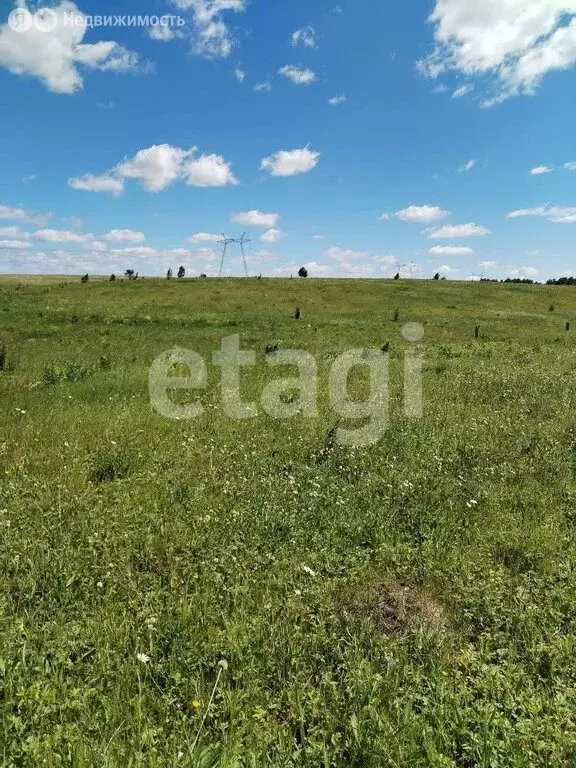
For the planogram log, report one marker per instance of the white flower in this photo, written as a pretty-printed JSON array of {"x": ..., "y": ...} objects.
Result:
[
  {"x": 99, "y": 585},
  {"x": 308, "y": 570},
  {"x": 297, "y": 592},
  {"x": 143, "y": 658}
]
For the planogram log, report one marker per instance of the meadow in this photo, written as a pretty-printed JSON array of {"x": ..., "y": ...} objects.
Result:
[{"x": 217, "y": 592}]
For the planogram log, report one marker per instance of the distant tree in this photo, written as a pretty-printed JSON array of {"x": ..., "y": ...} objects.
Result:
[
  {"x": 169, "y": 274},
  {"x": 181, "y": 272},
  {"x": 437, "y": 276},
  {"x": 302, "y": 272},
  {"x": 129, "y": 274},
  {"x": 112, "y": 278},
  {"x": 203, "y": 275},
  {"x": 397, "y": 276},
  {"x": 84, "y": 278}
]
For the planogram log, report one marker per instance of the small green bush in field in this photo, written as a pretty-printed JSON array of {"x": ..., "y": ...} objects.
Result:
[{"x": 71, "y": 370}]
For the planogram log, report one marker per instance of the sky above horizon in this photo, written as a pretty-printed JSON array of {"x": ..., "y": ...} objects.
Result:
[{"x": 356, "y": 138}]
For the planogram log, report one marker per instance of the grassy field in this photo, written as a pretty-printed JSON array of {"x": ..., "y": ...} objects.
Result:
[{"x": 248, "y": 593}]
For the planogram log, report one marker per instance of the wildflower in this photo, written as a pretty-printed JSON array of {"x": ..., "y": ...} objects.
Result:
[
  {"x": 223, "y": 664},
  {"x": 308, "y": 570},
  {"x": 99, "y": 584},
  {"x": 143, "y": 658},
  {"x": 195, "y": 704},
  {"x": 297, "y": 592}
]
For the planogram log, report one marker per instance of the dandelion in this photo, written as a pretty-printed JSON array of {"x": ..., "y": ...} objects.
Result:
[
  {"x": 195, "y": 704},
  {"x": 143, "y": 658}
]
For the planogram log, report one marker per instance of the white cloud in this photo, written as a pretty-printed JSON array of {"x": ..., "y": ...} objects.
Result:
[
  {"x": 14, "y": 233},
  {"x": 514, "y": 42},
  {"x": 450, "y": 250},
  {"x": 570, "y": 166},
  {"x": 335, "y": 101},
  {"x": 521, "y": 272},
  {"x": 290, "y": 162},
  {"x": 28, "y": 179},
  {"x": 272, "y": 236},
  {"x": 554, "y": 213},
  {"x": 209, "y": 171},
  {"x": 305, "y": 37},
  {"x": 453, "y": 231},
  {"x": 94, "y": 183},
  {"x": 318, "y": 237},
  {"x": 240, "y": 74},
  {"x": 467, "y": 166},
  {"x": 163, "y": 33},
  {"x": 19, "y": 214},
  {"x": 488, "y": 264},
  {"x": 204, "y": 237},
  {"x": 420, "y": 214},
  {"x": 158, "y": 166},
  {"x": 540, "y": 170},
  {"x": 344, "y": 255},
  {"x": 124, "y": 235},
  {"x": 61, "y": 236},
  {"x": 264, "y": 87},
  {"x": 255, "y": 219},
  {"x": 155, "y": 167},
  {"x": 16, "y": 244},
  {"x": 387, "y": 260},
  {"x": 55, "y": 57},
  {"x": 212, "y": 38},
  {"x": 298, "y": 75},
  {"x": 462, "y": 91}
]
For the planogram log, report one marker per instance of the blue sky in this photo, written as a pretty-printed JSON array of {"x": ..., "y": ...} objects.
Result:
[{"x": 348, "y": 137}]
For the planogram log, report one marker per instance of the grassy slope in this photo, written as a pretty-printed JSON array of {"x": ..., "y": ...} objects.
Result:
[{"x": 123, "y": 533}]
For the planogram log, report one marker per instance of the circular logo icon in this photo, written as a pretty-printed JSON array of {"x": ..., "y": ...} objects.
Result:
[
  {"x": 45, "y": 20},
  {"x": 20, "y": 20}
]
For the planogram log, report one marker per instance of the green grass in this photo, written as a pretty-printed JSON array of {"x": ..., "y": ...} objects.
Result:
[{"x": 410, "y": 603}]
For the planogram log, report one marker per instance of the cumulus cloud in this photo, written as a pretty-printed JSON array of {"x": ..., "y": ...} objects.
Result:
[
  {"x": 298, "y": 75},
  {"x": 554, "y": 213},
  {"x": 91, "y": 182},
  {"x": 158, "y": 166},
  {"x": 272, "y": 236},
  {"x": 14, "y": 233},
  {"x": 209, "y": 171},
  {"x": 513, "y": 44},
  {"x": 123, "y": 235},
  {"x": 57, "y": 57},
  {"x": 570, "y": 166},
  {"x": 540, "y": 170},
  {"x": 290, "y": 162},
  {"x": 211, "y": 36},
  {"x": 462, "y": 91},
  {"x": 19, "y": 214},
  {"x": 240, "y": 74},
  {"x": 264, "y": 87},
  {"x": 305, "y": 37},
  {"x": 204, "y": 237},
  {"x": 450, "y": 250},
  {"x": 467, "y": 166},
  {"x": 255, "y": 219},
  {"x": 488, "y": 264},
  {"x": 344, "y": 255},
  {"x": 335, "y": 101},
  {"x": 419, "y": 214},
  {"x": 61, "y": 236},
  {"x": 521, "y": 272},
  {"x": 16, "y": 244},
  {"x": 449, "y": 232}
]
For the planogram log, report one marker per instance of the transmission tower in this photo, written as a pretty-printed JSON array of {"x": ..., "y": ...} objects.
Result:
[{"x": 241, "y": 241}]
